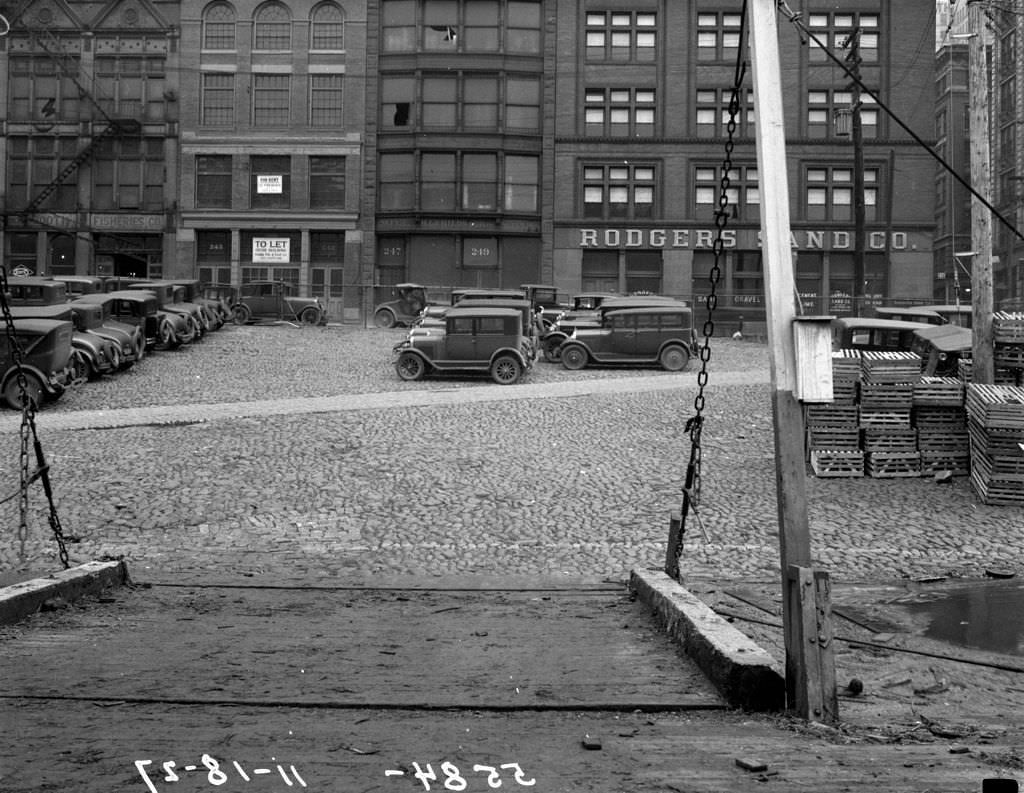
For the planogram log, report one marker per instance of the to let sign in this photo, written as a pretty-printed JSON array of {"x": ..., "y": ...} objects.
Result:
[{"x": 269, "y": 250}]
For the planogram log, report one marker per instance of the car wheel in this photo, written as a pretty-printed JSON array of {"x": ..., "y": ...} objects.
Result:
[
  {"x": 674, "y": 358},
  {"x": 384, "y": 319},
  {"x": 81, "y": 367},
  {"x": 166, "y": 339},
  {"x": 115, "y": 359},
  {"x": 506, "y": 370},
  {"x": 573, "y": 356},
  {"x": 12, "y": 391},
  {"x": 309, "y": 316},
  {"x": 240, "y": 315},
  {"x": 552, "y": 349},
  {"x": 140, "y": 347},
  {"x": 410, "y": 366}
]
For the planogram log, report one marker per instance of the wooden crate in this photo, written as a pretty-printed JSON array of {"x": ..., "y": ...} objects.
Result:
[
  {"x": 995, "y": 406},
  {"x": 824, "y": 438},
  {"x": 997, "y": 493},
  {"x": 1008, "y": 327},
  {"x": 1009, "y": 356},
  {"x": 890, "y": 367},
  {"x": 935, "y": 462},
  {"x": 826, "y": 415},
  {"x": 889, "y": 439},
  {"x": 890, "y": 465},
  {"x": 837, "y": 463},
  {"x": 939, "y": 391},
  {"x": 945, "y": 416},
  {"x": 943, "y": 439},
  {"x": 885, "y": 418},
  {"x": 894, "y": 396},
  {"x": 844, "y": 392}
]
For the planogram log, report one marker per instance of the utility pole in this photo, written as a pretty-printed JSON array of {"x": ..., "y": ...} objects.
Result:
[
  {"x": 806, "y": 613},
  {"x": 983, "y": 366},
  {"x": 857, "y": 131}
]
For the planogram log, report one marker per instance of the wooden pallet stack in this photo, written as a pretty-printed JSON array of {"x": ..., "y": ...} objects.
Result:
[
  {"x": 889, "y": 439},
  {"x": 939, "y": 416},
  {"x": 833, "y": 430},
  {"x": 996, "y": 427},
  {"x": 1008, "y": 339}
]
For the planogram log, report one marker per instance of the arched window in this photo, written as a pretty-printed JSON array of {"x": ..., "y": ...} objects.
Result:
[
  {"x": 273, "y": 28},
  {"x": 328, "y": 27},
  {"x": 219, "y": 27}
]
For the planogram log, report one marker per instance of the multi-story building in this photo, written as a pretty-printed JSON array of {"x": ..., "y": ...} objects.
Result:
[
  {"x": 88, "y": 154},
  {"x": 342, "y": 146},
  {"x": 272, "y": 123}
]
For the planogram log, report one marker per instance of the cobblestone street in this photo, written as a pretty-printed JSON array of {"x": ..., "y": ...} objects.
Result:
[{"x": 298, "y": 452}]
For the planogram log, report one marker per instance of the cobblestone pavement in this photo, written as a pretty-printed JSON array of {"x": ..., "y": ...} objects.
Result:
[{"x": 298, "y": 453}]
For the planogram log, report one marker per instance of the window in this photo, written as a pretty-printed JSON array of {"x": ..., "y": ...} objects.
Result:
[
  {"x": 619, "y": 112},
  {"x": 399, "y": 26},
  {"x": 830, "y": 193},
  {"x": 131, "y": 86},
  {"x": 213, "y": 180},
  {"x": 271, "y": 96},
  {"x": 35, "y": 164},
  {"x": 397, "y": 181},
  {"x": 439, "y": 101},
  {"x": 272, "y": 28},
  {"x": 523, "y": 27},
  {"x": 600, "y": 271},
  {"x": 42, "y": 94},
  {"x": 712, "y": 114},
  {"x": 213, "y": 256},
  {"x": 326, "y": 96},
  {"x": 326, "y": 259},
  {"x": 718, "y": 35},
  {"x": 618, "y": 191},
  {"x": 480, "y": 182},
  {"x": 219, "y": 27},
  {"x": 128, "y": 173},
  {"x": 833, "y": 30},
  {"x": 461, "y": 26},
  {"x": 743, "y": 192},
  {"x": 522, "y": 184},
  {"x": 823, "y": 107},
  {"x": 481, "y": 31},
  {"x": 480, "y": 102},
  {"x": 460, "y": 102},
  {"x": 327, "y": 182},
  {"x": 643, "y": 272},
  {"x": 22, "y": 251},
  {"x": 218, "y": 100},
  {"x": 270, "y": 185},
  {"x": 437, "y": 182},
  {"x": 522, "y": 103},
  {"x": 328, "y": 28},
  {"x": 397, "y": 94},
  {"x": 621, "y": 36}
]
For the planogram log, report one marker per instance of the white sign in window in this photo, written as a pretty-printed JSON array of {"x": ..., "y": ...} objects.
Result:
[
  {"x": 269, "y": 183},
  {"x": 270, "y": 250}
]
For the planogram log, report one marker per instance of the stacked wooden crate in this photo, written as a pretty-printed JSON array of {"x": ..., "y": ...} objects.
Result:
[
  {"x": 996, "y": 427},
  {"x": 889, "y": 439},
  {"x": 1008, "y": 338},
  {"x": 833, "y": 430},
  {"x": 941, "y": 422}
]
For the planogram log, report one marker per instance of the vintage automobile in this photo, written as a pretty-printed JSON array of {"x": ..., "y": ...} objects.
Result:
[
  {"x": 171, "y": 298},
  {"x": 658, "y": 334},
  {"x": 33, "y": 290},
  {"x": 409, "y": 302},
  {"x": 46, "y": 353},
  {"x": 96, "y": 314},
  {"x": 909, "y": 314},
  {"x": 223, "y": 297},
  {"x": 488, "y": 340},
  {"x": 546, "y": 300},
  {"x": 277, "y": 301},
  {"x": 92, "y": 355},
  {"x": 955, "y": 313},
  {"x": 941, "y": 348},
  {"x": 79, "y": 285},
  {"x": 212, "y": 311},
  {"x": 562, "y": 329},
  {"x": 872, "y": 333},
  {"x": 139, "y": 307}
]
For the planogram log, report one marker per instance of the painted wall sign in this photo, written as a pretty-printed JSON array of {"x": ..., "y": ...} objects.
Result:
[{"x": 802, "y": 239}]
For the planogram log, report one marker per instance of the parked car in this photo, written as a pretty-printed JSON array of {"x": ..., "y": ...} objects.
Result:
[
  {"x": 92, "y": 355},
  {"x": 194, "y": 293},
  {"x": 660, "y": 334},
  {"x": 955, "y": 313},
  {"x": 909, "y": 314},
  {"x": 872, "y": 333},
  {"x": 46, "y": 353},
  {"x": 79, "y": 285},
  {"x": 224, "y": 297},
  {"x": 404, "y": 309},
  {"x": 161, "y": 329},
  {"x": 33, "y": 290},
  {"x": 171, "y": 298},
  {"x": 486, "y": 339},
  {"x": 941, "y": 348},
  {"x": 562, "y": 329},
  {"x": 546, "y": 300},
  {"x": 276, "y": 300},
  {"x": 97, "y": 315}
]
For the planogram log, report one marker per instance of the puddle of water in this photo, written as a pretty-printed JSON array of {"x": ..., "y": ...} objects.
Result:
[{"x": 986, "y": 616}]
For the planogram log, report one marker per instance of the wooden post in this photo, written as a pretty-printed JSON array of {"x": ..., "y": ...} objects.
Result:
[
  {"x": 780, "y": 301},
  {"x": 983, "y": 352}
]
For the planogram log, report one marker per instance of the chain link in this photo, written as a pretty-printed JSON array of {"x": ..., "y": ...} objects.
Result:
[
  {"x": 28, "y": 435},
  {"x": 695, "y": 424}
]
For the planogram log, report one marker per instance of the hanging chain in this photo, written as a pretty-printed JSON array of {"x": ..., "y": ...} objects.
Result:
[
  {"x": 695, "y": 424},
  {"x": 27, "y": 436}
]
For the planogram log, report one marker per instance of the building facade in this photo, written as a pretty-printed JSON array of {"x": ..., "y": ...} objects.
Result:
[{"x": 349, "y": 146}]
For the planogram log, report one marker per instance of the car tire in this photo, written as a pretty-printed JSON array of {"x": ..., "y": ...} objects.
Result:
[
  {"x": 552, "y": 349},
  {"x": 240, "y": 315},
  {"x": 309, "y": 316},
  {"x": 81, "y": 367},
  {"x": 166, "y": 338},
  {"x": 410, "y": 366},
  {"x": 573, "y": 356},
  {"x": 674, "y": 358},
  {"x": 384, "y": 319},
  {"x": 12, "y": 392},
  {"x": 506, "y": 370}
]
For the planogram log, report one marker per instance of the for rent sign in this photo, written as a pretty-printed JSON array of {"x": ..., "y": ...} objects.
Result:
[{"x": 271, "y": 250}]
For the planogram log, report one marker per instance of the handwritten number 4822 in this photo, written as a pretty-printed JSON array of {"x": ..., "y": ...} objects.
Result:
[{"x": 453, "y": 780}]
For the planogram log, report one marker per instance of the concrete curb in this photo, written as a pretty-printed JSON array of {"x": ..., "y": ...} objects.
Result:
[
  {"x": 744, "y": 673},
  {"x": 18, "y": 601}
]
